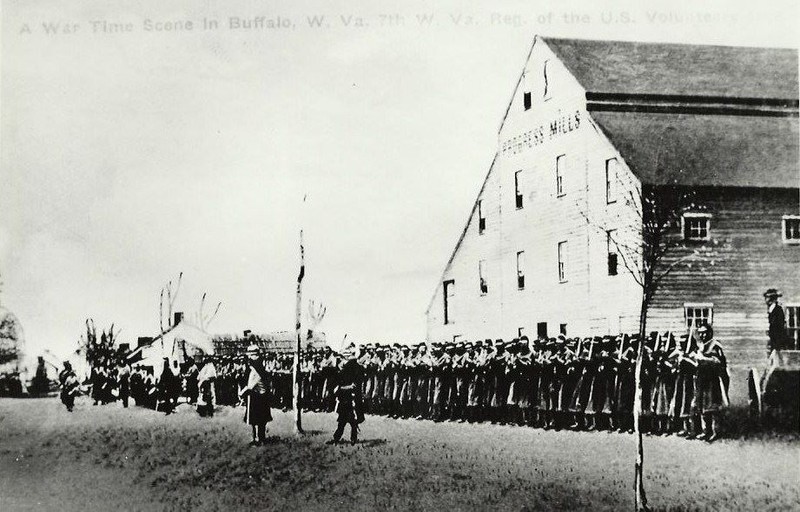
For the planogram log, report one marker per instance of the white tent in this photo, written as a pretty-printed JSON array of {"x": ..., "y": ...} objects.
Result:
[{"x": 177, "y": 344}]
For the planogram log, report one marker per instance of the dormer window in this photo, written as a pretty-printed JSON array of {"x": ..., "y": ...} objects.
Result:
[
  {"x": 481, "y": 219},
  {"x": 791, "y": 229},
  {"x": 696, "y": 226}
]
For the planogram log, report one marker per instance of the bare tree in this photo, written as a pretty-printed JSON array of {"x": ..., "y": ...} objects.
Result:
[
  {"x": 202, "y": 319},
  {"x": 646, "y": 235},
  {"x": 11, "y": 339},
  {"x": 316, "y": 312},
  {"x": 96, "y": 349}
]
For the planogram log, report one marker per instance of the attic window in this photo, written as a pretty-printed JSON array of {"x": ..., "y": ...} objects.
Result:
[
  {"x": 481, "y": 219},
  {"x": 526, "y": 100}
]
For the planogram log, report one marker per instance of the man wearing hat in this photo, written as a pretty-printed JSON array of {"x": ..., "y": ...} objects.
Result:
[
  {"x": 257, "y": 395},
  {"x": 777, "y": 321},
  {"x": 348, "y": 396},
  {"x": 69, "y": 386}
]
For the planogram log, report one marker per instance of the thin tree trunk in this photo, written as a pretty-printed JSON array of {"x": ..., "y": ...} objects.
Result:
[
  {"x": 298, "y": 422},
  {"x": 640, "y": 499}
]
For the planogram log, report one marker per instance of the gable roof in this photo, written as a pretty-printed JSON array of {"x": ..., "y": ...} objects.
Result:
[
  {"x": 679, "y": 69},
  {"x": 706, "y": 150}
]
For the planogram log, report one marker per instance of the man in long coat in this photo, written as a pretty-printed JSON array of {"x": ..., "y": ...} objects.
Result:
[
  {"x": 777, "y": 322},
  {"x": 69, "y": 386},
  {"x": 257, "y": 396},
  {"x": 349, "y": 407}
]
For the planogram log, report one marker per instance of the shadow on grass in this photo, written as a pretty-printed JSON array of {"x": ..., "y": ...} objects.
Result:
[
  {"x": 371, "y": 443},
  {"x": 313, "y": 432},
  {"x": 737, "y": 423}
]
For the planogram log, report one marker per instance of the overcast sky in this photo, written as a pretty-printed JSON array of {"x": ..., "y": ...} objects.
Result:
[{"x": 130, "y": 157}]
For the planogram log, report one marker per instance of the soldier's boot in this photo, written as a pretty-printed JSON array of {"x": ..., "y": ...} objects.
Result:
[
  {"x": 694, "y": 427},
  {"x": 353, "y": 434}
]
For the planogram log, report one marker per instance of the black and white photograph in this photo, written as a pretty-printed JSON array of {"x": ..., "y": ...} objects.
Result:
[{"x": 354, "y": 255}]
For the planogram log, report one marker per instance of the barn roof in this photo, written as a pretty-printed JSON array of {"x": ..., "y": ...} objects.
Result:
[
  {"x": 706, "y": 150},
  {"x": 679, "y": 69}
]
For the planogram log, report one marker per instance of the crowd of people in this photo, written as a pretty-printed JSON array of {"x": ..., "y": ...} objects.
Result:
[{"x": 547, "y": 383}]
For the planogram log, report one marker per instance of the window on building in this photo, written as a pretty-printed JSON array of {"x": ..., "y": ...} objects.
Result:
[
  {"x": 481, "y": 219},
  {"x": 541, "y": 330},
  {"x": 562, "y": 328},
  {"x": 518, "y": 189},
  {"x": 560, "y": 162},
  {"x": 793, "y": 324},
  {"x": 611, "y": 180},
  {"x": 562, "y": 262},
  {"x": 484, "y": 286},
  {"x": 449, "y": 289},
  {"x": 611, "y": 244},
  {"x": 791, "y": 229},
  {"x": 520, "y": 270},
  {"x": 526, "y": 100},
  {"x": 696, "y": 226},
  {"x": 696, "y": 315},
  {"x": 546, "y": 73}
]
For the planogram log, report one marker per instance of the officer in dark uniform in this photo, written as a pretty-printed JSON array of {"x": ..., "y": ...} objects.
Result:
[
  {"x": 777, "y": 321},
  {"x": 69, "y": 385},
  {"x": 349, "y": 406}
]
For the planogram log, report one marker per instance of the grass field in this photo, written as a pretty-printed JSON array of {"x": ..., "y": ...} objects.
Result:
[{"x": 110, "y": 458}]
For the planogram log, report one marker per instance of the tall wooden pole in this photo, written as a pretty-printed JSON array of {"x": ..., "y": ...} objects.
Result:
[{"x": 298, "y": 422}]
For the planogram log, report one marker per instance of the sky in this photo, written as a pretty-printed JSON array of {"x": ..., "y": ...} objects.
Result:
[{"x": 133, "y": 148}]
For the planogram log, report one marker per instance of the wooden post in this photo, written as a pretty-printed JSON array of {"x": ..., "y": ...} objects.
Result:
[{"x": 298, "y": 422}]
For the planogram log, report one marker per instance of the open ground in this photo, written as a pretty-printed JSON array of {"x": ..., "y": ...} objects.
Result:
[{"x": 110, "y": 458}]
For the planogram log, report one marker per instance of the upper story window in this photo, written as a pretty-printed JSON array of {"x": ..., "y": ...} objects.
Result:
[
  {"x": 562, "y": 262},
  {"x": 791, "y": 229},
  {"x": 449, "y": 290},
  {"x": 696, "y": 315},
  {"x": 518, "y": 189},
  {"x": 484, "y": 286},
  {"x": 560, "y": 164},
  {"x": 696, "y": 226},
  {"x": 611, "y": 180},
  {"x": 521, "y": 270},
  {"x": 611, "y": 243},
  {"x": 547, "y": 85},
  {"x": 793, "y": 324},
  {"x": 481, "y": 219}
]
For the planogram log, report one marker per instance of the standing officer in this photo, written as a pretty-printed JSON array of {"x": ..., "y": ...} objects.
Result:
[
  {"x": 123, "y": 382},
  {"x": 777, "y": 321},
  {"x": 69, "y": 385},
  {"x": 348, "y": 396},
  {"x": 257, "y": 395}
]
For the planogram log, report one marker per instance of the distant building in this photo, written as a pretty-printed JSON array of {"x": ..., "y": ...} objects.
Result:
[
  {"x": 280, "y": 341},
  {"x": 589, "y": 124}
]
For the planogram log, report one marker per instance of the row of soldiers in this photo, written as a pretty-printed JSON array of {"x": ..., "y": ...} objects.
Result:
[{"x": 550, "y": 383}]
